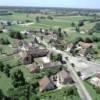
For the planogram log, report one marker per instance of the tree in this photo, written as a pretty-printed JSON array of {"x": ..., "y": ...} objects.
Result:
[
  {"x": 9, "y": 23},
  {"x": 77, "y": 29},
  {"x": 50, "y": 17},
  {"x": 1, "y": 49},
  {"x": 72, "y": 91},
  {"x": 90, "y": 53},
  {"x": 18, "y": 35},
  {"x": 65, "y": 33},
  {"x": 7, "y": 70},
  {"x": 60, "y": 35},
  {"x": 88, "y": 40},
  {"x": 97, "y": 89},
  {"x": 95, "y": 39},
  {"x": 1, "y": 66},
  {"x": 81, "y": 23},
  {"x": 78, "y": 39},
  {"x": 18, "y": 78},
  {"x": 12, "y": 34},
  {"x": 72, "y": 64},
  {"x": 1, "y": 95},
  {"x": 51, "y": 56},
  {"x": 79, "y": 73},
  {"x": 37, "y": 19},
  {"x": 23, "y": 92},
  {"x": 34, "y": 97},
  {"x": 4, "y": 41},
  {"x": 96, "y": 28},
  {"x": 59, "y": 57},
  {"x": 73, "y": 24},
  {"x": 11, "y": 94}
]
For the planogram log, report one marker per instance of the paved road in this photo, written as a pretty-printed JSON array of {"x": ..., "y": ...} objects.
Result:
[
  {"x": 79, "y": 84},
  {"x": 87, "y": 68}
]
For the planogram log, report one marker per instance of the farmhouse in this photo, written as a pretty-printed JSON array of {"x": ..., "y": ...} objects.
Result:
[
  {"x": 46, "y": 84},
  {"x": 62, "y": 77},
  {"x": 84, "y": 45},
  {"x": 28, "y": 56}
]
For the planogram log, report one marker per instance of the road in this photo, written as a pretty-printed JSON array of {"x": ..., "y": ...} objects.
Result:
[
  {"x": 79, "y": 84},
  {"x": 87, "y": 68}
]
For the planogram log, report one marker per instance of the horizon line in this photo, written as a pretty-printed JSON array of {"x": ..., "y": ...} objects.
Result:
[{"x": 51, "y": 7}]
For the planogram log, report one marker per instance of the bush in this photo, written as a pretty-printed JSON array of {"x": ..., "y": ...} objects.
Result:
[
  {"x": 96, "y": 28},
  {"x": 4, "y": 41},
  {"x": 16, "y": 35},
  {"x": 81, "y": 23},
  {"x": 88, "y": 40},
  {"x": 50, "y": 17}
]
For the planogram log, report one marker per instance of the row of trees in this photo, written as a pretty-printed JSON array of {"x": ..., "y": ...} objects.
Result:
[
  {"x": 81, "y": 23},
  {"x": 87, "y": 39},
  {"x": 38, "y": 18}
]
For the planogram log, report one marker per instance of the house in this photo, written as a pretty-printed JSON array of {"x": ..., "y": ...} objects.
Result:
[
  {"x": 51, "y": 64},
  {"x": 33, "y": 68},
  {"x": 82, "y": 48},
  {"x": 62, "y": 77},
  {"x": 28, "y": 56},
  {"x": 46, "y": 84},
  {"x": 96, "y": 80},
  {"x": 84, "y": 45}
]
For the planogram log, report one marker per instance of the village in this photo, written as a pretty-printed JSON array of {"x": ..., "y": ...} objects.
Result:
[{"x": 40, "y": 62}]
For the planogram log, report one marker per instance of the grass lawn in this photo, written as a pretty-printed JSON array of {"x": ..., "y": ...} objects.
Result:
[
  {"x": 92, "y": 91},
  {"x": 5, "y": 82},
  {"x": 13, "y": 60},
  {"x": 60, "y": 94}
]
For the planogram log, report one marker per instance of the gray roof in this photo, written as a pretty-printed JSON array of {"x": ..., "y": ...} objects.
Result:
[{"x": 51, "y": 64}]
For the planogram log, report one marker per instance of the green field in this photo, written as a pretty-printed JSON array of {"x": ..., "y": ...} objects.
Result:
[{"x": 92, "y": 91}]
